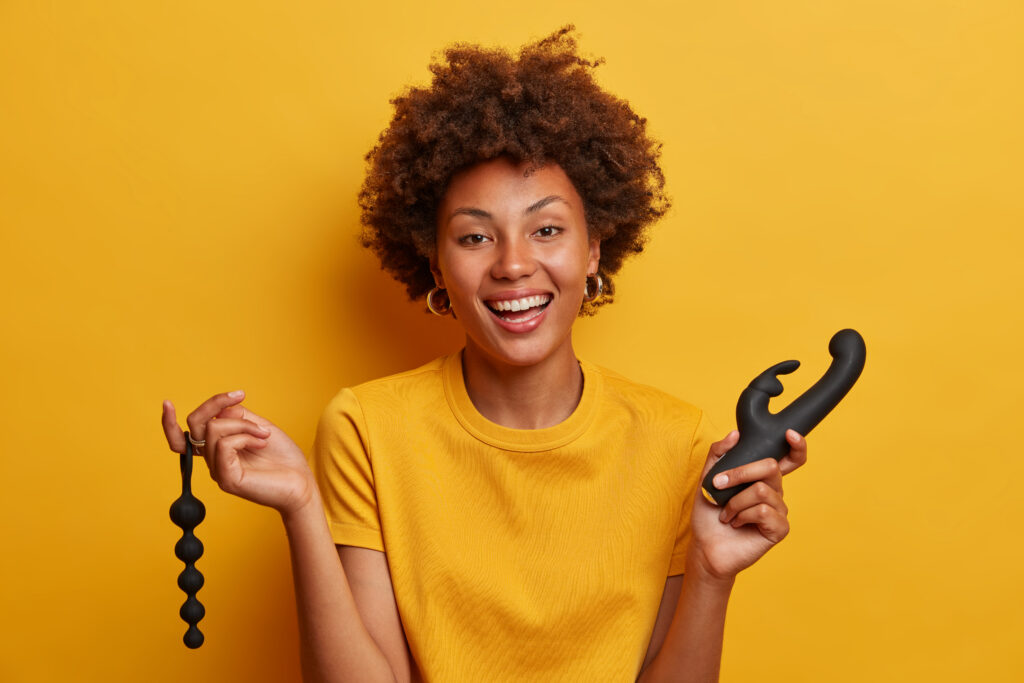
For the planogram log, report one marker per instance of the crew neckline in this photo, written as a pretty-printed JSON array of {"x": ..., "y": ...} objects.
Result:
[{"x": 523, "y": 440}]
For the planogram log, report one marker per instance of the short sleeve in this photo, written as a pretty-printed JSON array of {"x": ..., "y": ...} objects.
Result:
[
  {"x": 343, "y": 470},
  {"x": 703, "y": 436}
]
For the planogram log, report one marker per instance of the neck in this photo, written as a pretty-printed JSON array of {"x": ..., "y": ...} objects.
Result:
[{"x": 527, "y": 396}]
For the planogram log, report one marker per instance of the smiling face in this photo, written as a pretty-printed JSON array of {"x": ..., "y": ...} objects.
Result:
[{"x": 513, "y": 252}]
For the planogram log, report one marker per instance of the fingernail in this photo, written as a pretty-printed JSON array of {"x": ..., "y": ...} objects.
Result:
[
  {"x": 264, "y": 430},
  {"x": 721, "y": 517},
  {"x": 793, "y": 435},
  {"x": 721, "y": 480},
  {"x": 236, "y": 394}
]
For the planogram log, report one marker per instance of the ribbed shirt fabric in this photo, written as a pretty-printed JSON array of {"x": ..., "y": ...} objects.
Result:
[{"x": 515, "y": 555}]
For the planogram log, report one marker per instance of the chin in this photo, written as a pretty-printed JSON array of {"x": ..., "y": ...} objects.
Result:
[{"x": 522, "y": 353}]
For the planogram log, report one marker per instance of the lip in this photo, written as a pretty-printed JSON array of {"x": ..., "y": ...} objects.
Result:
[
  {"x": 520, "y": 327},
  {"x": 515, "y": 294},
  {"x": 526, "y": 325}
]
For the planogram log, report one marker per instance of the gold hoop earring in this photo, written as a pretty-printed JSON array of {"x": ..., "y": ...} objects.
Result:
[
  {"x": 597, "y": 289},
  {"x": 442, "y": 309}
]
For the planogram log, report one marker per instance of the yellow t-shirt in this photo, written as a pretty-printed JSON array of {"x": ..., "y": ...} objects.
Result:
[{"x": 515, "y": 555}]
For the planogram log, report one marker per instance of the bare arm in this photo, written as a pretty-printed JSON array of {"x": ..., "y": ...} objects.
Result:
[
  {"x": 370, "y": 580},
  {"x": 335, "y": 644},
  {"x": 692, "y": 649},
  {"x": 725, "y": 541},
  {"x": 252, "y": 458},
  {"x": 667, "y": 610}
]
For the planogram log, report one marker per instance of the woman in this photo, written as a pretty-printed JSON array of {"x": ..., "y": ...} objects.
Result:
[{"x": 507, "y": 512}]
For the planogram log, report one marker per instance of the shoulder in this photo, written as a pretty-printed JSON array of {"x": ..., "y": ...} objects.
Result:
[
  {"x": 393, "y": 393},
  {"x": 661, "y": 422},
  {"x": 426, "y": 375},
  {"x": 642, "y": 398}
]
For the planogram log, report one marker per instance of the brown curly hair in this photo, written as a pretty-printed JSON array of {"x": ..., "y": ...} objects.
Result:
[{"x": 543, "y": 106}]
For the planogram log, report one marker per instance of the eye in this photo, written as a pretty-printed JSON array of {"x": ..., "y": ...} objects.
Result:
[
  {"x": 548, "y": 231},
  {"x": 472, "y": 239}
]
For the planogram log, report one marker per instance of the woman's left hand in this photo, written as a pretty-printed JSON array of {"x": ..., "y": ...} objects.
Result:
[{"x": 729, "y": 539}]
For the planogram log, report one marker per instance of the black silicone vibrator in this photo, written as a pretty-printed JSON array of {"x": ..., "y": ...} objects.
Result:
[{"x": 763, "y": 434}]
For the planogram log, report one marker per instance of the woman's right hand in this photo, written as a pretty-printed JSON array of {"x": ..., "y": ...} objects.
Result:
[{"x": 247, "y": 455}]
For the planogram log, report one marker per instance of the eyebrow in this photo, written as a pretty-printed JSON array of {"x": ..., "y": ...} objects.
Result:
[{"x": 532, "y": 208}]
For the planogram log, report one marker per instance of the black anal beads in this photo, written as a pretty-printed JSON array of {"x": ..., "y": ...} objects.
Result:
[{"x": 187, "y": 512}]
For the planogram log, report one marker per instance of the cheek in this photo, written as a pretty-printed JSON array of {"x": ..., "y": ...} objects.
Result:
[
  {"x": 571, "y": 268},
  {"x": 460, "y": 278}
]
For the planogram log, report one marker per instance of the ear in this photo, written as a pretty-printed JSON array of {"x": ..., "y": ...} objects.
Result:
[
  {"x": 594, "y": 256},
  {"x": 436, "y": 272}
]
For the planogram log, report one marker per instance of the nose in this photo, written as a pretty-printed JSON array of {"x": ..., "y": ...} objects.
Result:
[{"x": 513, "y": 260}]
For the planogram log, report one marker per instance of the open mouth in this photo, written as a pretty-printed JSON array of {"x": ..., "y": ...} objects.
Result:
[{"x": 519, "y": 310}]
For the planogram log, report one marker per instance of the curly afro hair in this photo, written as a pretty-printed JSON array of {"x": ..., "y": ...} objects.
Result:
[{"x": 541, "y": 107}]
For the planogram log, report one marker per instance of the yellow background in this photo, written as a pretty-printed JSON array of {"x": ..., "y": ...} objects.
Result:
[{"x": 177, "y": 202}]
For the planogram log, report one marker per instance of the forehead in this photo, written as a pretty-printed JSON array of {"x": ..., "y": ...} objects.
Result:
[{"x": 503, "y": 184}]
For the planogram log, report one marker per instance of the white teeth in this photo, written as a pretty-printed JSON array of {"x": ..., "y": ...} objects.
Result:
[{"x": 522, "y": 304}]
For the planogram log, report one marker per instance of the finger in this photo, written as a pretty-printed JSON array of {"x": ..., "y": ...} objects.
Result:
[
  {"x": 175, "y": 437},
  {"x": 718, "y": 449},
  {"x": 757, "y": 493},
  {"x": 772, "y": 524},
  {"x": 242, "y": 413},
  {"x": 221, "y": 427},
  {"x": 218, "y": 429},
  {"x": 227, "y": 467},
  {"x": 198, "y": 418},
  {"x": 797, "y": 456},
  {"x": 235, "y": 411},
  {"x": 766, "y": 469}
]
